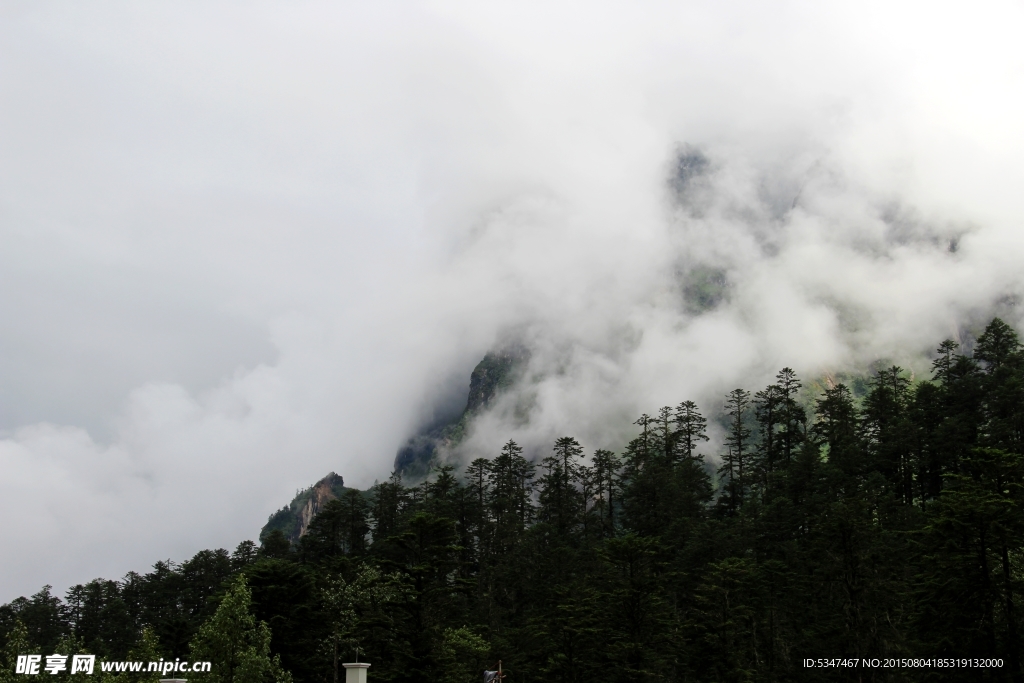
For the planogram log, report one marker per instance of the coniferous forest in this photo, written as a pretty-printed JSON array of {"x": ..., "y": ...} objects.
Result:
[{"x": 886, "y": 525}]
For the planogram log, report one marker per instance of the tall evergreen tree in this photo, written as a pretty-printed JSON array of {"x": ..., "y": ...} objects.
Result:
[
  {"x": 735, "y": 464},
  {"x": 388, "y": 499},
  {"x": 606, "y": 479},
  {"x": 887, "y": 429},
  {"x": 997, "y": 345},
  {"x": 561, "y": 503},
  {"x": 792, "y": 418},
  {"x": 691, "y": 429},
  {"x": 664, "y": 436},
  {"x": 942, "y": 366},
  {"x": 1002, "y": 383},
  {"x": 769, "y": 410},
  {"x": 511, "y": 484},
  {"x": 837, "y": 427}
]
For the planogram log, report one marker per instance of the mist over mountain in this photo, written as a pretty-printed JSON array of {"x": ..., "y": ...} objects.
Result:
[{"x": 246, "y": 246}]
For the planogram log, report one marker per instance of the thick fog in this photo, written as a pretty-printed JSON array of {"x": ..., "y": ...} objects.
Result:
[{"x": 245, "y": 244}]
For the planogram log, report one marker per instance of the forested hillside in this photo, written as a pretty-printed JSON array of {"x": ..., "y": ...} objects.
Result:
[{"x": 891, "y": 526}]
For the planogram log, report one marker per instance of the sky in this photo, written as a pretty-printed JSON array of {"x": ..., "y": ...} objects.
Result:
[{"x": 248, "y": 243}]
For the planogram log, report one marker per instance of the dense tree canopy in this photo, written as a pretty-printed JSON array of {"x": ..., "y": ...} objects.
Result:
[{"x": 887, "y": 524}]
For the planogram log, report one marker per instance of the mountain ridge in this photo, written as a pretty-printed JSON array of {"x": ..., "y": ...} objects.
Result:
[{"x": 496, "y": 372}]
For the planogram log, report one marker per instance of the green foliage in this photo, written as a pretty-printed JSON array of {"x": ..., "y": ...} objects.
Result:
[
  {"x": 462, "y": 655},
  {"x": 370, "y": 597},
  {"x": 17, "y": 644},
  {"x": 71, "y": 645},
  {"x": 146, "y": 650},
  {"x": 236, "y": 643}
]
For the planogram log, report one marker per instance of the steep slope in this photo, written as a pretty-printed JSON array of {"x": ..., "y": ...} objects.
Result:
[
  {"x": 293, "y": 519},
  {"x": 497, "y": 372}
]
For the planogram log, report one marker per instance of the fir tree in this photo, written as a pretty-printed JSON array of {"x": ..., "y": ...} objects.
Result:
[
  {"x": 606, "y": 477},
  {"x": 560, "y": 501},
  {"x": 691, "y": 428},
  {"x": 838, "y": 428},
  {"x": 886, "y": 429},
  {"x": 735, "y": 466}
]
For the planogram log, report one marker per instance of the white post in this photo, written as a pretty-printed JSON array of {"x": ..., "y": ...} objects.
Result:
[{"x": 356, "y": 672}]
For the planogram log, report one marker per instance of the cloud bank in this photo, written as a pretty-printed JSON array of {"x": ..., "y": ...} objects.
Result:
[{"x": 248, "y": 244}]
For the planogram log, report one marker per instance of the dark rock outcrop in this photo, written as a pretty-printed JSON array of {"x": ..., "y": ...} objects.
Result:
[{"x": 497, "y": 372}]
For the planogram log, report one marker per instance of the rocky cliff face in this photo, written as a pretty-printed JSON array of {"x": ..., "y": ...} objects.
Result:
[
  {"x": 294, "y": 518},
  {"x": 322, "y": 492},
  {"x": 498, "y": 371}
]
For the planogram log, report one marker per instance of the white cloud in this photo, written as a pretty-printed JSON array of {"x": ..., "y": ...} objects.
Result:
[{"x": 248, "y": 244}]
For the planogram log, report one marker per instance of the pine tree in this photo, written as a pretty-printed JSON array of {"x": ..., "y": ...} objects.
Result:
[
  {"x": 792, "y": 418},
  {"x": 275, "y": 545},
  {"x": 606, "y": 479},
  {"x": 970, "y": 578},
  {"x": 45, "y": 618},
  {"x": 887, "y": 430},
  {"x": 735, "y": 466},
  {"x": 388, "y": 499},
  {"x": 997, "y": 344},
  {"x": 691, "y": 428},
  {"x": 947, "y": 416},
  {"x": 1002, "y": 384},
  {"x": 560, "y": 500},
  {"x": 942, "y": 366},
  {"x": 643, "y": 449},
  {"x": 478, "y": 491},
  {"x": 769, "y": 408},
  {"x": 511, "y": 507},
  {"x": 440, "y": 491},
  {"x": 664, "y": 435},
  {"x": 643, "y": 483},
  {"x": 837, "y": 427}
]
